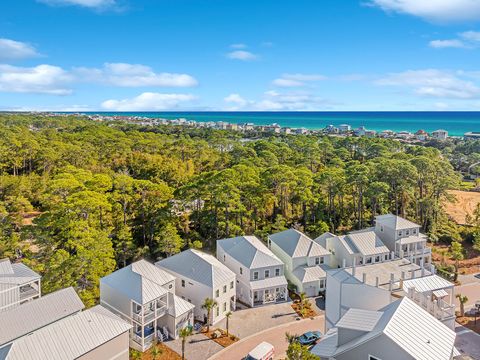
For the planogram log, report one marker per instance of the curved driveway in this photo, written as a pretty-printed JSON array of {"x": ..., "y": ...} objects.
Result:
[{"x": 275, "y": 336}]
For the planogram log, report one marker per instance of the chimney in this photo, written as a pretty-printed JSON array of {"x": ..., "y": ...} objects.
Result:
[
  {"x": 344, "y": 263},
  {"x": 353, "y": 266}
]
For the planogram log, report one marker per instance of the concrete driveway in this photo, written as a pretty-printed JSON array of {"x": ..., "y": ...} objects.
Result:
[
  {"x": 250, "y": 321},
  {"x": 198, "y": 347},
  {"x": 275, "y": 336}
]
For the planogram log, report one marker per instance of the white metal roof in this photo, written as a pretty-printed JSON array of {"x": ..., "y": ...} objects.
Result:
[
  {"x": 359, "y": 319},
  {"x": 327, "y": 346},
  {"x": 198, "y": 266},
  {"x": 33, "y": 315},
  {"x": 395, "y": 222},
  {"x": 297, "y": 244},
  {"x": 412, "y": 240},
  {"x": 418, "y": 333},
  {"x": 249, "y": 251},
  {"x": 427, "y": 283},
  {"x": 69, "y": 338},
  {"x": 140, "y": 281},
  {"x": 368, "y": 243},
  {"x": 322, "y": 239},
  {"x": 271, "y": 282},
  {"x": 16, "y": 273},
  {"x": 177, "y": 306},
  {"x": 347, "y": 243},
  {"x": 440, "y": 293},
  {"x": 307, "y": 274}
]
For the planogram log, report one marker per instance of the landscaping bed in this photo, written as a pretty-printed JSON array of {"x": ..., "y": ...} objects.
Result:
[
  {"x": 167, "y": 354},
  {"x": 309, "y": 312},
  {"x": 469, "y": 322},
  {"x": 222, "y": 340}
]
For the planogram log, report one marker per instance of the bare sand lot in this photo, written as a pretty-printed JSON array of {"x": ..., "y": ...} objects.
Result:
[{"x": 465, "y": 204}]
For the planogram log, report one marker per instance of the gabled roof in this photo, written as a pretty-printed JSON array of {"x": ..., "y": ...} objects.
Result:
[
  {"x": 177, "y": 306},
  {"x": 69, "y": 338},
  {"x": 322, "y": 239},
  {"x": 297, "y": 244},
  {"x": 307, "y": 274},
  {"x": 198, "y": 266},
  {"x": 410, "y": 327},
  {"x": 33, "y": 315},
  {"x": 395, "y": 222},
  {"x": 16, "y": 274},
  {"x": 367, "y": 243},
  {"x": 140, "y": 281},
  {"x": 249, "y": 251}
]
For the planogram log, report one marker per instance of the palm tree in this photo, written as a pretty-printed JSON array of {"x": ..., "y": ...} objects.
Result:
[
  {"x": 227, "y": 316},
  {"x": 208, "y": 305},
  {"x": 304, "y": 304},
  {"x": 135, "y": 355},
  {"x": 156, "y": 351},
  {"x": 291, "y": 338},
  {"x": 463, "y": 300},
  {"x": 184, "y": 334}
]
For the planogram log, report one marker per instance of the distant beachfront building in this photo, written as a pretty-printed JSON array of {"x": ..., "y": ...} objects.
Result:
[
  {"x": 421, "y": 135},
  {"x": 301, "y": 131},
  {"x": 440, "y": 134},
  {"x": 404, "y": 135},
  {"x": 286, "y": 130},
  {"x": 330, "y": 129},
  {"x": 386, "y": 134},
  {"x": 472, "y": 135},
  {"x": 370, "y": 133},
  {"x": 360, "y": 131},
  {"x": 344, "y": 128}
]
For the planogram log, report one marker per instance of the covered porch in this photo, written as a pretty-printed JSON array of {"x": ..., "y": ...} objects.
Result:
[{"x": 268, "y": 291}]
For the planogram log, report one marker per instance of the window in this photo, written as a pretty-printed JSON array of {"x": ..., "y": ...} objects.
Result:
[
  {"x": 407, "y": 232},
  {"x": 189, "y": 300},
  {"x": 217, "y": 293},
  {"x": 386, "y": 257},
  {"x": 170, "y": 286},
  {"x": 183, "y": 283},
  {"x": 414, "y": 231},
  {"x": 255, "y": 275},
  {"x": 224, "y": 306},
  {"x": 369, "y": 260},
  {"x": 322, "y": 260},
  {"x": 224, "y": 289},
  {"x": 223, "y": 258},
  {"x": 241, "y": 271},
  {"x": 399, "y": 233},
  {"x": 231, "y": 285},
  {"x": 277, "y": 272},
  {"x": 322, "y": 283},
  {"x": 381, "y": 228},
  {"x": 377, "y": 258},
  {"x": 317, "y": 261},
  {"x": 267, "y": 274},
  {"x": 217, "y": 311}
]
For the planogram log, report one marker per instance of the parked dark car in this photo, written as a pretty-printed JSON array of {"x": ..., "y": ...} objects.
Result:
[{"x": 309, "y": 337}]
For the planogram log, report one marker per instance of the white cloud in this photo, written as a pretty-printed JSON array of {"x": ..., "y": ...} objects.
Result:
[
  {"x": 275, "y": 101},
  {"x": 14, "y": 50},
  {"x": 471, "y": 35},
  {"x": 148, "y": 101},
  {"x": 297, "y": 80},
  {"x": 238, "y": 46},
  {"x": 433, "y": 83},
  {"x": 242, "y": 55},
  {"x": 441, "y": 44},
  {"x": 42, "y": 79},
  {"x": 433, "y": 10},
  {"x": 93, "y": 4},
  {"x": 134, "y": 75}
]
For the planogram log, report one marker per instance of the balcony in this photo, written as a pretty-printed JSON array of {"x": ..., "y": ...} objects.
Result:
[
  {"x": 28, "y": 291},
  {"x": 149, "y": 314}
]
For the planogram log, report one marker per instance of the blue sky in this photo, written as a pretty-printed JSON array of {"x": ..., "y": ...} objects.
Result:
[{"x": 136, "y": 55}]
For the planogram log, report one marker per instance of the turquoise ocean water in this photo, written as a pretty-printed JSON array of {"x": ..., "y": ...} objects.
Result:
[{"x": 456, "y": 123}]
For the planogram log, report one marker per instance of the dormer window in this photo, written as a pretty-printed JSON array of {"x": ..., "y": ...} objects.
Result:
[{"x": 400, "y": 233}]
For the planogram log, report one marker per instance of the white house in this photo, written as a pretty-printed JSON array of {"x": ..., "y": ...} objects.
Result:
[
  {"x": 440, "y": 134},
  {"x": 355, "y": 248},
  {"x": 259, "y": 272},
  {"x": 200, "y": 276},
  {"x": 26, "y": 318},
  {"x": 144, "y": 296},
  {"x": 403, "y": 237},
  {"x": 343, "y": 128},
  {"x": 401, "y": 330},
  {"x": 92, "y": 334},
  {"x": 305, "y": 260},
  {"x": 18, "y": 284}
]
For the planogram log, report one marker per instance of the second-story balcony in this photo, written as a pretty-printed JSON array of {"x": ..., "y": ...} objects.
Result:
[
  {"x": 151, "y": 311},
  {"x": 29, "y": 291}
]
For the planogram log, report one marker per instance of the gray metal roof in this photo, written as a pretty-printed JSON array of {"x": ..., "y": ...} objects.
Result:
[
  {"x": 395, "y": 222},
  {"x": 427, "y": 283},
  {"x": 177, "y": 306},
  {"x": 33, "y": 315},
  {"x": 359, "y": 319},
  {"x": 249, "y": 251},
  {"x": 69, "y": 338},
  {"x": 140, "y": 281},
  {"x": 297, "y": 244},
  {"x": 16, "y": 273},
  {"x": 322, "y": 239},
  {"x": 271, "y": 282},
  {"x": 367, "y": 243},
  {"x": 307, "y": 274},
  {"x": 198, "y": 266}
]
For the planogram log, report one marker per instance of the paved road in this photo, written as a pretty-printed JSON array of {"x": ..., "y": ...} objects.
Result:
[
  {"x": 471, "y": 288},
  {"x": 275, "y": 336},
  {"x": 467, "y": 341}
]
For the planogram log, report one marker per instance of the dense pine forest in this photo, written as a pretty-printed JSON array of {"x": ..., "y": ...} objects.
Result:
[{"x": 80, "y": 198}]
